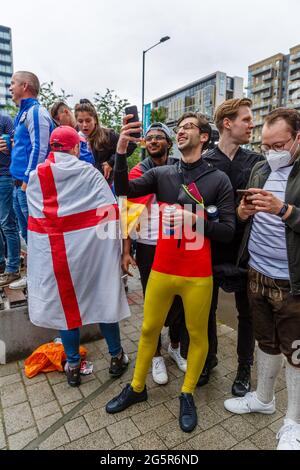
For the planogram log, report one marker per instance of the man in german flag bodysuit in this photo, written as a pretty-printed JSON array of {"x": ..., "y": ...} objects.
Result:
[
  {"x": 140, "y": 217},
  {"x": 182, "y": 264}
]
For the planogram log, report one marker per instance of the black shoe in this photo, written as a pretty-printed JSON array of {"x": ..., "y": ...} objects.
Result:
[
  {"x": 118, "y": 365},
  {"x": 188, "y": 413},
  {"x": 205, "y": 374},
  {"x": 73, "y": 375},
  {"x": 242, "y": 384},
  {"x": 125, "y": 399},
  {"x": 2, "y": 268}
]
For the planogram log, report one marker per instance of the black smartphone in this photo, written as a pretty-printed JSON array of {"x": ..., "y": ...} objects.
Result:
[{"x": 133, "y": 110}]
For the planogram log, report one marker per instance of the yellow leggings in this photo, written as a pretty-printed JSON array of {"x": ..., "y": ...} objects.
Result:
[{"x": 196, "y": 294}]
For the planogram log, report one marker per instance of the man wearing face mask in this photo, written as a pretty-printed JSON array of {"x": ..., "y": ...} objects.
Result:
[{"x": 271, "y": 244}]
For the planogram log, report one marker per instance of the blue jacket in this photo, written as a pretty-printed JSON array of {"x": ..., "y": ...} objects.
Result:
[
  {"x": 33, "y": 126},
  {"x": 85, "y": 154}
]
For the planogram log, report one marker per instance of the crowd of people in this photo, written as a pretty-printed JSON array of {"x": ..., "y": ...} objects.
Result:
[{"x": 224, "y": 217}]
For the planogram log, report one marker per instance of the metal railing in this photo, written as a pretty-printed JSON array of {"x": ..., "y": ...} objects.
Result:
[
  {"x": 263, "y": 86},
  {"x": 295, "y": 66},
  {"x": 261, "y": 70}
]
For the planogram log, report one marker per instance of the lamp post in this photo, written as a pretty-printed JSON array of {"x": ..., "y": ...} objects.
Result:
[{"x": 164, "y": 39}]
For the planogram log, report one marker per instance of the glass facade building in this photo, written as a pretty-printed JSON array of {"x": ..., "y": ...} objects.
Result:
[
  {"x": 203, "y": 96},
  {"x": 6, "y": 65}
]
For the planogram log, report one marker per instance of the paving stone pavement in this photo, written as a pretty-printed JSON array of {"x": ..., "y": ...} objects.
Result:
[{"x": 45, "y": 413}]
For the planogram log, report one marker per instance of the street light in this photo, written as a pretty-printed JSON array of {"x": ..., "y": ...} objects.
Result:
[{"x": 164, "y": 39}]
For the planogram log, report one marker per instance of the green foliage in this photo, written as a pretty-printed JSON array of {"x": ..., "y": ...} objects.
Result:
[
  {"x": 110, "y": 109},
  {"x": 134, "y": 159},
  {"x": 12, "y": 110},
  {"x": 48, "y": 96},
  {"x": 158, "y": 115}
]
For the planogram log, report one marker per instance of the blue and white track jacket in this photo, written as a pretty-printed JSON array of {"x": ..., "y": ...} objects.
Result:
[{"x": 33, "y": 126}]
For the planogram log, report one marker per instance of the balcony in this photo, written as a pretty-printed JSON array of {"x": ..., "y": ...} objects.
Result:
[
  {"x": 268, "y": 76},
  {"x": 295, "y": 56},
  {"x": 294, "y": 86},
  {"x": 295, "y": 76},
  {"x": 295, "y": 66},
  {"x": 261, "y": 70},
  {"x": 262, "y": 87},
  {"x": 268, "y": 94},
  {"x": 263, "y": 104},
  {"x": 293, "y": 104}
]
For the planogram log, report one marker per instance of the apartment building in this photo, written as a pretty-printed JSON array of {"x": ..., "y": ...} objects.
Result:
[
  {"x": 203, "y": 96},
  {"x": 6, "y": 64},
  {"x": 273, "y": 82}
]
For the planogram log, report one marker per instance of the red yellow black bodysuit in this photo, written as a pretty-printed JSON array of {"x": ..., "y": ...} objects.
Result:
[{"x": 182, "y": 264}]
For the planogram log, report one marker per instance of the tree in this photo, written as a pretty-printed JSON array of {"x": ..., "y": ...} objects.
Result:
[
  {"x": 110, "y": 109},
  {"x": 48, "y": 96},
  {"x": 11, "y": 109},
  {"x": 158, "y": 115}
]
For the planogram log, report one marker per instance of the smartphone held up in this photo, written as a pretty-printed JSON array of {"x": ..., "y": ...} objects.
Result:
[{"x": 134, "y": 111}]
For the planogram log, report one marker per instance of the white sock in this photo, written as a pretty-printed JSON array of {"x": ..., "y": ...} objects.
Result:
[
  {"x": 293, "y": 388},
  {"x": 268, "y": 367}
]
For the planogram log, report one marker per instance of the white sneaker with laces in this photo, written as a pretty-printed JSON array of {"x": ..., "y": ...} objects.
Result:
[
  {"x": 175, "y": 355},
  {"x": 159, "y": 371},
  {"x": 249, "y": 404},
  {"x": 20, "y": 284},
  {"x": 289, "y": 436}
]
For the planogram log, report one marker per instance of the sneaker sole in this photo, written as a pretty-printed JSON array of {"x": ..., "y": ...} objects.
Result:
[
  {"x": 250, "y": 412},
  {"x": 160, "y": 383}
]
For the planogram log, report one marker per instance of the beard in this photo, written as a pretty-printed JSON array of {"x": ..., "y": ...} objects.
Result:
[{"x": 159, "y": 153}]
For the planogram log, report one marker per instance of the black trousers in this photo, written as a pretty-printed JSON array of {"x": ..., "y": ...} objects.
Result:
[
  {"x": 175, "y": 319},
  {"x": 246, "y": 342}
]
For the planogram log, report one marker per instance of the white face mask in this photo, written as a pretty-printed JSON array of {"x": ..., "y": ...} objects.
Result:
[{"x": 280, "y": 159}]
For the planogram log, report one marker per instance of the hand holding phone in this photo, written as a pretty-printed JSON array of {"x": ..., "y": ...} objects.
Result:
[
  {"x": 134, "y": 111},
  {"x": 131, "y": 130}
]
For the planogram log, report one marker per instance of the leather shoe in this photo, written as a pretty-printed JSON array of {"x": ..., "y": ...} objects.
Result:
[
  {"x": 125, "y": 399},
  {"x": 242, "y": 384},
  {"x": 188, "y": 413},
  {"x": 205, "y": 374}
]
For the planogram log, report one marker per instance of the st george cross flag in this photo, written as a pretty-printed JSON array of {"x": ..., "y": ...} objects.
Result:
[{"x": 74, "y": 249}]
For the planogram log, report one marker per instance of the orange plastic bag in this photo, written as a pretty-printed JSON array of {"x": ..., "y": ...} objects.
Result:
[{"x": 47, "y": 358}]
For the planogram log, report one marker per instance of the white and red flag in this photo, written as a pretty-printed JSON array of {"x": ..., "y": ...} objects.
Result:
[{"x": 74, "y": 273}]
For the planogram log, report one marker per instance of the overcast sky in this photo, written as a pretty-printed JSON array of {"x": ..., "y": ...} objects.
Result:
[{"x": 91, "y": 45}]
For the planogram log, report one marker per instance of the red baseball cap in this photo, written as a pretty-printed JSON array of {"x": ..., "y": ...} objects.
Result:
[{"x": 64, "y": 138}]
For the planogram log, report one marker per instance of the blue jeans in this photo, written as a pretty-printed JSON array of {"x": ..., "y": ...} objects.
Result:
[
  {"x": 71, "y": 341},
  {"x": 9, "y": 235},
  {"x": 21, "y": 210}
]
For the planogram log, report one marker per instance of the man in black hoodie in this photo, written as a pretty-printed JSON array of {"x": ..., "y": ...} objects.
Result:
[{"x": 181, "y": 266}]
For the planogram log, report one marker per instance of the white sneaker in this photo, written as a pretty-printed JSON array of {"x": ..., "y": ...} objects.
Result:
[
  {"x": 175, "y": 355},
  {"x": 20, "y": 284},
  {"x": 249, "y": 404},
  {"x": 289, "y": 436},
  {"x": 159, "y": 371}
]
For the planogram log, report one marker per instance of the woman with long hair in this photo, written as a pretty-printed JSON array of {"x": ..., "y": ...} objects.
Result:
[{"x": 102, "y": 141}]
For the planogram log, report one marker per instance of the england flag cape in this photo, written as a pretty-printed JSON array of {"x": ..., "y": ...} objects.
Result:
[{"x": 74, "y": 273}]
